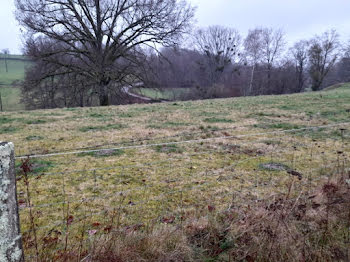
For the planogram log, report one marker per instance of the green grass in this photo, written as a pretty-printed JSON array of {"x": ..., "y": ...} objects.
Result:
[
  {"x": 34, "y": 138},
  {"x": 168, "y": 149},
  {"x": 101, "y": 128},
  {"x": 168, "y": 125},
  {"x": 36, "y": 121},
  {"x": 11, "y": 94},
  {"x": 11, "y": 98},
  {"x": 8, "y": 129},
  {"x": 16, "y": 68},
  {"x": 281, "y": 125},
  {"x": 38, "y": 166},
  {"x": 219, "y": 148},
  {"x": 166, "y": 93},
  {"x": 6, "y": 120},
  {"x": 218, "y": 120},
  {"x": 107, "y": 153}
]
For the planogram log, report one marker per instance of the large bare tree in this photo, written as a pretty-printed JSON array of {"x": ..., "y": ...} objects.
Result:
[
  {"x": 102, "y": 39},
  {"x": 323, "y": 54},
  {"x": 253, "y": 52},
  {"x": 273, "y": 43},
  {"x": 221, "y": 46},
  {"x": 300, "y": 56}
]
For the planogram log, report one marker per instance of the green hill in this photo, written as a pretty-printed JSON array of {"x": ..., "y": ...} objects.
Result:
[
  {"x": 168, "y": 165},
  {"x": 16, "y": 65}
]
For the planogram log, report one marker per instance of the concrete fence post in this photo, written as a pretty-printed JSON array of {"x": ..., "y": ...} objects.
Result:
[{"x": 10, "y": 237}]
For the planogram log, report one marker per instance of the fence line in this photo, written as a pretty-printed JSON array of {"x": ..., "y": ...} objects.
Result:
[
  {"x": 143, "y": 165},
  {"x": 150, "y": 201},
  {"x": 154, "y": 138},
  {"x": 149, "y": 164},
  {"x": 147, "y": 186},
  {"x": 138, "y": 203},
  {"x": 183, "y": 142}
]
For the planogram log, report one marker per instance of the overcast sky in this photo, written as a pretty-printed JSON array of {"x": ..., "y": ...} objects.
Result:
[{"x": 300, "y": 19}]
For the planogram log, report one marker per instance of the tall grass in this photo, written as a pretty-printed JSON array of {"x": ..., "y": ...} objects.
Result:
[{"x": 293, "y": 226}]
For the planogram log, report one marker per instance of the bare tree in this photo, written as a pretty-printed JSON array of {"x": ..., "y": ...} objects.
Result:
[
  {"x": 221, "y": 45},
  {"x": 101, "y": 39},
  {"x": 253, "y": 52},
  {"x": 346, "y": 49},
  {"x": 1, "y": 109},
  {"x": 273, "y": 44},
  {"x": 300, "y": 56},
  {"x": 6, "y": 53},
  {"x": 323, "y": 54}
]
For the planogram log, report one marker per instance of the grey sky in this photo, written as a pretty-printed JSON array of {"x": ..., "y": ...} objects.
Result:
[{"x": 300, "y": 19}]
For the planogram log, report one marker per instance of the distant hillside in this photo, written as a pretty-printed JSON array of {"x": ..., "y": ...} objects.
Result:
[
  {"x": 337, "y": 86},
  {"x": 16, "y": 65}
]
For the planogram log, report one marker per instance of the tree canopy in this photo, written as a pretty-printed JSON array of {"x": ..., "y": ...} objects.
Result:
[{"x": 100, "y": 40}]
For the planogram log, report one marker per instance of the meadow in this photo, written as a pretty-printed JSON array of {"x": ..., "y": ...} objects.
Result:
[
  {"x": 165, "y": 93},
  {"x": 10, "y": 93},
  {"x": 132, "y": 168}
]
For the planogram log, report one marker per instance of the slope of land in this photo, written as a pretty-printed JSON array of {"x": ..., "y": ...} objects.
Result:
[
  {"x": 16, "y": 65},
  {"x": 170, "y": 160},
  {"x": 165, "y": 93}
]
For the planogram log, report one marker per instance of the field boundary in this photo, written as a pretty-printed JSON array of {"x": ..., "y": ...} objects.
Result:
[{"x": 184, "y": 141}]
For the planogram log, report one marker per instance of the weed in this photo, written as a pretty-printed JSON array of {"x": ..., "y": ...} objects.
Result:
[
  {"x": 104, "y": 153},
  {"x": 34, "y": 138},
  {"x": 8, "y": 129},
  {"x": 168, "y": 149},
  {"x": 281, "y": 125},
  {"x": 272, "y": 166},
  {"x": 272, "y": 142},
  {"x": 35, "y": 121},
  {"x": 38, "y": 166},
  {"x": 127, "y": 115},
  {"x": 97, "y": 115},
  {"x": 102, "y": 128},
  {"x": 6, "y": 120},
  {"x": 218, "y": 120},
  {"x": 168, "y": 125},
  {"x": 71, "y": 109}
]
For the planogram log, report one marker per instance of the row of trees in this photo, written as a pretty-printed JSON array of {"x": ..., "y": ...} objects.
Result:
[
  {"x": 85, "y": 52},
  {"x": 90, "y": 49},
  {"x": 222, "y": 63}
]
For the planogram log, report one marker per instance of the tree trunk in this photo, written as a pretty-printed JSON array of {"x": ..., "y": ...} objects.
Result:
[
  {"x": 0, "y": 102},
  {"x": 81, "y": 99},
  {"x": 7, "y": 70},
  {"x": 300, "y": 82},
  {"x": 103, "y": 95},
  {"x": 269, "y": 68},
  {"x": 251, "y": 81}
]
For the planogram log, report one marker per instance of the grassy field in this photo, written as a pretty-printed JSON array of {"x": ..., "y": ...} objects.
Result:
[
  {"x": 11, "y": 94},
  {"x": 166, "y": 93},
  {"x": 149, "y": 175},
  {"x": 11, "y": 97},
  {"x": 16, "y": 68}
]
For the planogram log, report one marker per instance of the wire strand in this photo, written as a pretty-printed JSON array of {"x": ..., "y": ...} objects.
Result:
[{"x": 181, "y": 142}]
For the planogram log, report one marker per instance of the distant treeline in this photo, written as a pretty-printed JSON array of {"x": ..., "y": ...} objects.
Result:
[
  {"x": 87, "y": 58},
  {"x": 221, "y": 63}
]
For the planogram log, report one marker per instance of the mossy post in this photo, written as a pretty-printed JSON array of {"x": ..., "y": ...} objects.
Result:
[{"x": 10, "y": 237}]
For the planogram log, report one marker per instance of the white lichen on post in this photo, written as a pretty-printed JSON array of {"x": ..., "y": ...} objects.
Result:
[{"x": 10, "y": 238}]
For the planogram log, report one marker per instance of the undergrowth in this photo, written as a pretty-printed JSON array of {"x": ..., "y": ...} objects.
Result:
[{"x": 293, "y": 226}]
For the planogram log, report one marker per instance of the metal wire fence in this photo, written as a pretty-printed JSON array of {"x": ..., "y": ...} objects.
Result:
[{"x": 161, "y": 182}]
